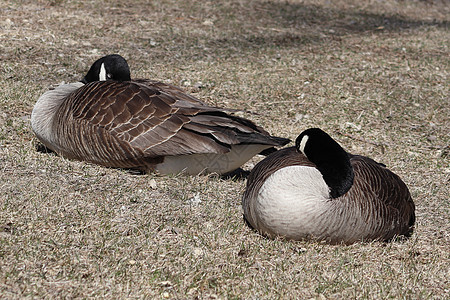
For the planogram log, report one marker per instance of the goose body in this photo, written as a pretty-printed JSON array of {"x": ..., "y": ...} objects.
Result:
[
  {"x": 338, "y": 198},
  {"x": 111, "y": 120}
]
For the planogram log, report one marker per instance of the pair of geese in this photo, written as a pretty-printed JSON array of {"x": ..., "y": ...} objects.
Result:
[{"x": 315, "y": 190}]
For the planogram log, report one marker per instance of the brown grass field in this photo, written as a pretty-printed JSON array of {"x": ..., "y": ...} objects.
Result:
[{"x": 374, "y": 74}]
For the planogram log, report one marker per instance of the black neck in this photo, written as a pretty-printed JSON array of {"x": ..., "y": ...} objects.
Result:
[
  {"x": 330, "y": 158},
  {"x": 338, "y": 175}
]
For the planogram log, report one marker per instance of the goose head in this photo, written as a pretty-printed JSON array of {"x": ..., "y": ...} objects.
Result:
[
  {"x": 332, "y": 161},
  {"x": 110, "y": 67}
]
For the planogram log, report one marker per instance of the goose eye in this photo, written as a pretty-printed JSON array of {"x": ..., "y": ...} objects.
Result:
[{"x": 109, "y": 76}]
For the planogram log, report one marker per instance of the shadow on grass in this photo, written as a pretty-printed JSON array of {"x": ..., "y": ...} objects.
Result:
[
  {"x": 294, "y": 25},
  {"x": 341, "y": 21}
]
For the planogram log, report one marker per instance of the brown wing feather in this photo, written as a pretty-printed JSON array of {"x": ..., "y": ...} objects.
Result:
[
  {"x": 176, "y": 92},
  {"x": 386, "y": 197},
  {"x": 119, "y": 123}
]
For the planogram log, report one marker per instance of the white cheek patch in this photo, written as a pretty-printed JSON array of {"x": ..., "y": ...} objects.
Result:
[
  {"x": 302, "y": 145},
  {"x": 102, "y": 75}
]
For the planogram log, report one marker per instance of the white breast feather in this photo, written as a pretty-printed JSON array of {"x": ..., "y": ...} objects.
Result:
[
  {"x": 195, "y": 164},
  {"x": 290, "y": 201},
  {"x": 45, "y": 108}
]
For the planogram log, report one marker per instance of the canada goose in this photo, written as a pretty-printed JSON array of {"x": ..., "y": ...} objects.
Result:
[
  {"x": 317, "y": 190},
  {"x": 111, "y": 120}
]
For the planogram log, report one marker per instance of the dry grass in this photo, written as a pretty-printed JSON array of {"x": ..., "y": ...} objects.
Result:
[{"x": 372, "y": 73}]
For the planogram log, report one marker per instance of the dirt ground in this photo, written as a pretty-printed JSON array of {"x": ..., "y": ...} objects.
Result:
[{"x": 373, "y": 74}]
